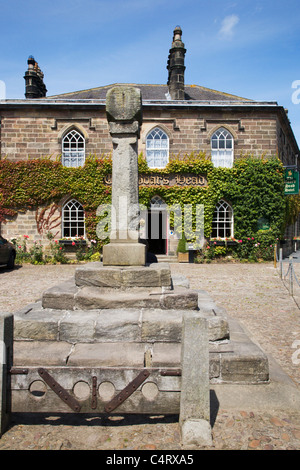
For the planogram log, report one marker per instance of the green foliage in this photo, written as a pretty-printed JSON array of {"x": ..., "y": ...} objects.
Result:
[
  {"x": 254, "y": 187},
  {"x": 181, "y": 248}
]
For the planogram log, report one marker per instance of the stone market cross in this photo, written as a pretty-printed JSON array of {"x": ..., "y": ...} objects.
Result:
[{"x": 124, "y": 115}]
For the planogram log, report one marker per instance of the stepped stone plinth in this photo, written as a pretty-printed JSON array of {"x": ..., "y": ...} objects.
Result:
[{"x": 104, "y": 287}]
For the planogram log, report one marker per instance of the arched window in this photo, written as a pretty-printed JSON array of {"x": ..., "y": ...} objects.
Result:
[
  {"x": 222, "y": 148},
  {"x": 73, "y": 225},
  {"x": 157, "y": 148},
  {"x": 157, "y": 203},
  {"x": 73, "y": 149},
  {"x": 222, "y": 224}
]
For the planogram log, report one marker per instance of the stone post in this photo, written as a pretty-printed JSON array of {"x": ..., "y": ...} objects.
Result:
[
  {"x": 6, "y": 354},
  {"x": 195, "y": 394},
  {"x": 124, "y": 115}
]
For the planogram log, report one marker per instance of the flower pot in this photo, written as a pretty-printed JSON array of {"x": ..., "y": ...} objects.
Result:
[
  {"x": 73, "y": 242},
  {"x": 183, "y": 257}
]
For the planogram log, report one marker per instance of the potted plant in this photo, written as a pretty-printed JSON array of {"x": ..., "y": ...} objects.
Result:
[{"x": 182, "y": 252}]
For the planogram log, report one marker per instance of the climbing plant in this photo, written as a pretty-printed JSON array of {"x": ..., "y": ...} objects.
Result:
[{"x": 254, "y": 187}]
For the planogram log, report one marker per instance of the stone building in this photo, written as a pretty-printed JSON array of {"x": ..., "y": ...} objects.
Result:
[{"x": 177, "y": 119}]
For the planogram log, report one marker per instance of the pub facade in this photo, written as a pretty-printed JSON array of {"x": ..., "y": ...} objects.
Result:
[{"x": 189, "y": 136}]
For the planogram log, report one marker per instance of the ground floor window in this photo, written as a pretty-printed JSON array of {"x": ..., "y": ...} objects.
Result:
[
  {"x": 73, "y": 220},
  {"x": 222, "y": 224}
]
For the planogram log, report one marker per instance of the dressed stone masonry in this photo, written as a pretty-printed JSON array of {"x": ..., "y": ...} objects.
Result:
[{"x": 131, "y": 335}]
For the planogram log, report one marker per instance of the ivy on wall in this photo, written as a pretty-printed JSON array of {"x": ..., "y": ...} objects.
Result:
[{"x": 253, "y": 187}]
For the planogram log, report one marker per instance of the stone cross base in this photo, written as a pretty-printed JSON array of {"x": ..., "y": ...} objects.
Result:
[{"x": 124, "y": 254}]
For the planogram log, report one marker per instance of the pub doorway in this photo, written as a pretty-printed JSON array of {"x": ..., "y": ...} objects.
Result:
[{"x": 157, "y": 227}]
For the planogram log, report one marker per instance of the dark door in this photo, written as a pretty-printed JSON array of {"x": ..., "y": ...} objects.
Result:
[{"x": 156, "y": 231}]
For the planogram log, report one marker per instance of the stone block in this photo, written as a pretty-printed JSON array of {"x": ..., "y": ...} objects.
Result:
[
  {"x": 38, "y": 325},
  {"x": 166, "y": 355},
  {"x": 118, "y": 325},
  {"x": 124, "y": 254},
  {"x": 78, "y": 326},
  {"x": 41, "y": 353},
  {"x": 161, "y": 325},
  {"x": 124, "y": 103},
  {"x": 246, "y": 364},
  {"x": 91, "y": 298},
  {"x": 108, "y": 355},
  {"x": 196, "y": 433},
  {"x": 94, "y": 274},
  {"x": 146, "y": 277},
  {"x": 180, "y": 299},
  {"x": 88, "y": 298},
  {"x": 60, "y": 297},
  {"x": 194, "y": 398},
  {"x": 218, "y": 328},
  {"x": 180, "y": 281}
]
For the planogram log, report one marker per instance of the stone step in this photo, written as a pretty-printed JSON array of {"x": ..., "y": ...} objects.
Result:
[
  {"x": 124, "y": 325},
  {"x": 68, "y": 296},
  {"x": 238, "y": 363},
  {"x": 118, "y": 277},
  {"x": 167, "y": 258}
]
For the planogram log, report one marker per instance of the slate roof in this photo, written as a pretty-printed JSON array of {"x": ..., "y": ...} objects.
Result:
[{"x": 152, "y": 93}]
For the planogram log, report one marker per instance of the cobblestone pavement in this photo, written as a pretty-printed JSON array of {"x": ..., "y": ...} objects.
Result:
[{"x": 254, "y": 294}]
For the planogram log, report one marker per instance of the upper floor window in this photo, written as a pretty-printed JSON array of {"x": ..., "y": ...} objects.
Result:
[
  {"x": 222, "y": 224},
  {"x": 157, "y": 148},
  {"x": 73, "y": 220},
  {"x": 222, "y": 148},
  {"x": 73, "y": 149}
]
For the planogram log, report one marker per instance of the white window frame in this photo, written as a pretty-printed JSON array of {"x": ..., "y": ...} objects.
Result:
[
  {"x": 222, "y": 223},
  {"x": 73, "y": 220},
  {"x": 157, "y": 148},
  {"x": 73, "y": 149},
  {"x": 222, "y": 148}
]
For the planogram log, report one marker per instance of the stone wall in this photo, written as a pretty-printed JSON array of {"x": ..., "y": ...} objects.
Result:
[
  {"x": 28, "y": 133},
  {"x": 34, "y": 223},
  {"x": 38, "y": 133}
]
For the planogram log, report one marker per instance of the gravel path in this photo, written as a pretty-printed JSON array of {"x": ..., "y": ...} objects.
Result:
[{"x": 254, "y": 294}]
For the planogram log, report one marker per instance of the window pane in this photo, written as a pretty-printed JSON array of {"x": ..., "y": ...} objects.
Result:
[
  {"x": 73, "y": 224},
  {"x": 222, "y": 148},
  {"x": 157, "y": 148},
  {"x": 73, "y": 149},
  {"x": 222, "y": 224},
  {"x": 214, "y": 143}
]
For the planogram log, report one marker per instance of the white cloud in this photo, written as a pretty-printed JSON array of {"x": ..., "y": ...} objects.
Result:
[{"x": 228, "y": 24}]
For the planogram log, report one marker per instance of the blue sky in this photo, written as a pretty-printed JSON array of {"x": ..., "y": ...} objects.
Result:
[{"x": 250, "y": 48}]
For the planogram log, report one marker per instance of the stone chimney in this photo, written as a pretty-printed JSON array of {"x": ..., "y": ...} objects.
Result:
[
  {"x": 34, "y": 80},
  {"x": 176, "y": 66}
]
